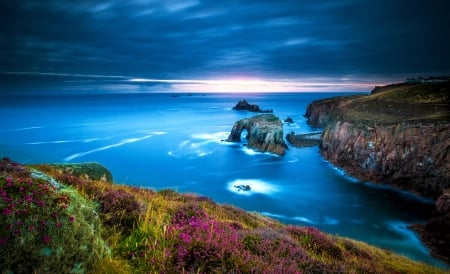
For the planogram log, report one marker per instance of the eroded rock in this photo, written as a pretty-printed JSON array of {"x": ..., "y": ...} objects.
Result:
[{"x": 265, "y": 133}]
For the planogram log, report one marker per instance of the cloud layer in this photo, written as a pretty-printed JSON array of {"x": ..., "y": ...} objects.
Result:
[{"x": 194, "y": 39}]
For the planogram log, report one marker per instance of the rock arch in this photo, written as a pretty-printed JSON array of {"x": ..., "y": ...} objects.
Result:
[{"x": 265, "y": 133}]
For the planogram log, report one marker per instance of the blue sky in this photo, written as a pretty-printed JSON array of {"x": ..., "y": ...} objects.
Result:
[{"x": 196, "y": 45}]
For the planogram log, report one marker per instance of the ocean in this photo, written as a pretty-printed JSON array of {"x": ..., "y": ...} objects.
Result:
[{"x": 162, "y": 141}]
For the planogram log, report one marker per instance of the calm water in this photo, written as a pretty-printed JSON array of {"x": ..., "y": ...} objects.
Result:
[{"x": 159, "y": 141}]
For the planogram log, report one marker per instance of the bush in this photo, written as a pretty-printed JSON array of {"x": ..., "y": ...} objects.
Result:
[
  {"x": 44, "y": 229},
  {"x": 119, "y": 209}
]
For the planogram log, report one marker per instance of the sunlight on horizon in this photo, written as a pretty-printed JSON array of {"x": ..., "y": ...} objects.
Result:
[{"x": 257, "y": 85}]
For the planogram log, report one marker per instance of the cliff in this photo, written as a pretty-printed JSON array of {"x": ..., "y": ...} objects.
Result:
[
  {"x": 264, "y": 133},
  {"x": 95, "y": 226},
  {"x": 398, "y": 135}
]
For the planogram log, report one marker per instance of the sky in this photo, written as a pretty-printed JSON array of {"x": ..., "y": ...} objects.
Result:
[{"x": 226, "y": 46}]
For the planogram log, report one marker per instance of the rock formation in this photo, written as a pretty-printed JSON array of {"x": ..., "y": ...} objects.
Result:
[
  {"x": 397, "y": 135},
  {"x": 264, "y": 133},
  {"x": 435, "y": 233},
  {"x": 244, "y": 105}
]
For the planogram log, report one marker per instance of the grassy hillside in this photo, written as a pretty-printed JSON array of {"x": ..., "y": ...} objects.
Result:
[
  {"x": 393, "y": 104},
  {"x": 53, "y": 220}
]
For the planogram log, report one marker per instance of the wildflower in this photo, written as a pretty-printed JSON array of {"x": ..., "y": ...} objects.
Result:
[
  {"x": 8, "y": 180},
  {"x": 3, "y": 241},
  {"x": 71, "y": 218},
  {"x": 31, "y": 228},
  {"x": 7, "y": 211},
  {"x": 28, "y": 198},
  {"x": 58, "y": 224},
  {"x": 46, "y": 239}
]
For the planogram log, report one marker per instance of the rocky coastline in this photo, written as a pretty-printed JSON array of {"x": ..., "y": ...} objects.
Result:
[{"x": 397, "y": 135}]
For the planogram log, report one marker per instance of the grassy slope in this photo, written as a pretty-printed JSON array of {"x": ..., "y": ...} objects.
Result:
[
  {"x": 395, "y": 104},
  {"x": 125, "y": 229}
]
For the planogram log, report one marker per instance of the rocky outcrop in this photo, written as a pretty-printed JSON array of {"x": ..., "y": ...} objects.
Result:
[
  {"x": 397, "y": 135},
  {"x": 414, "y": 157},
  {"x": 435, "y": 233},
  {"x": 304, "y": 140},
  {"x": 93, "y": 171},
  {"x": 244, "y": 105},
  {"x": 264, "y": 133}
]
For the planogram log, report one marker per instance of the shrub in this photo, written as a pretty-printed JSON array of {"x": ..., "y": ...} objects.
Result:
[
  {"x": 44, "y": 229},
  {"x": 119, "y": 209},
  {"x": 315, "y": 241}
]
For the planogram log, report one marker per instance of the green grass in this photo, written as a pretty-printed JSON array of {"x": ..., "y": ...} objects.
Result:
[{"x": 169, "y": 232}]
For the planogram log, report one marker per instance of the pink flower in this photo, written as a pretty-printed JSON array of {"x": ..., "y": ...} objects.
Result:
[
  {"x": 71, "y": 218},
  {"x": 28, "y": 198},
  {"x": 7, "y": 211},
  {"x": 46, "y": 239}
]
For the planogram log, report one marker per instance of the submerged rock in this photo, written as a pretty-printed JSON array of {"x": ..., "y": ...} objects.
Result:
[
  {"x": 265, "y": 133},
  {"x": 289, "y": 120},
  {"x": 244, "y": 105}
]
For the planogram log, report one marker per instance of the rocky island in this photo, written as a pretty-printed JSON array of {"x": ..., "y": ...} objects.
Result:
[
  {"x": 398, "y": 135},
  {"x": 244, "y": 105},
  {"x": 264, "y": 133}
]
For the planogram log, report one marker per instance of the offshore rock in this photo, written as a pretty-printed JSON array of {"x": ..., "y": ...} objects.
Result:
[
  {"x": 264, "y": 133},
  {"x": 244, "y": 105}
]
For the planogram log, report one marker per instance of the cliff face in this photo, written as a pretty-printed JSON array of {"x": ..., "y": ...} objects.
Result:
[
  {"x": 397, "y": 135},
  {"x": 409, "y": 156},
  {"x": 265, "y": 133}
]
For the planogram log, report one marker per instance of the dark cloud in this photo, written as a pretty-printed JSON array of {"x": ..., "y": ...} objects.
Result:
[{"x": 205, "y": 39}]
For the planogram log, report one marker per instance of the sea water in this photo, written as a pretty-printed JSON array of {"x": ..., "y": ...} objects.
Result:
[{"x": 163, "y": 141}]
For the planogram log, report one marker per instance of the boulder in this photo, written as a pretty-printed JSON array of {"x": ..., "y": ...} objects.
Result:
[{"x": 265, "y": 133}]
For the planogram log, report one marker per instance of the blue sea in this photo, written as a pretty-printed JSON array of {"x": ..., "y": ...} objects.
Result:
[{"x": 163, "y": 141}]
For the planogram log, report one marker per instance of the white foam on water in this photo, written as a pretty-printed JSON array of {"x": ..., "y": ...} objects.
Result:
[
  {"x": 21, "y": 129},
  {"x": 272, "y": 215},
  {"x": 256, "y": 186},
  {"x": 304, "y": 220},
  {"x": 121, "y": 143}
]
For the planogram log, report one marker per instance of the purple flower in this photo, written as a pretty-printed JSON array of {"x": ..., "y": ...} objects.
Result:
[
  {"x": 7, "y": 211},
  {"x": 58, "y": 224},
  {"x": 3, "y": 241},
  {"x": 71, "y": 218},
  {"x": 46, "y": 239},
  {"x": 28, "y": 198}
]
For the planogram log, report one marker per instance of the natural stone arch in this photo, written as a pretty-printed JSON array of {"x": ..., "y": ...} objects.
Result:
[{"x": 264, "y": 133}]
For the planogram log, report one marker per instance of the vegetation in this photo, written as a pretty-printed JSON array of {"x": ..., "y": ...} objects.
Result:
[
  {"x": 393, "y": 104},
  {"x": 75, "y": 224}
]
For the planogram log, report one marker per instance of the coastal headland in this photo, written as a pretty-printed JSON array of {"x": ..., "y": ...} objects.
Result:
[{"x": 397, "y": 135}]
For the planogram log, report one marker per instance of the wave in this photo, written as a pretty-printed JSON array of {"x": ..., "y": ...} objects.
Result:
[
  {"x": 304, "y": 220},
  {"x": 21, "y": 129},
  {"x": 254, "y": 186},
  {"x": 121, "y": 143}
]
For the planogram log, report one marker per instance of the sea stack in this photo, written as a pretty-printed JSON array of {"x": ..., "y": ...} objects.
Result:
[{"x": 265, "y": 133}]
